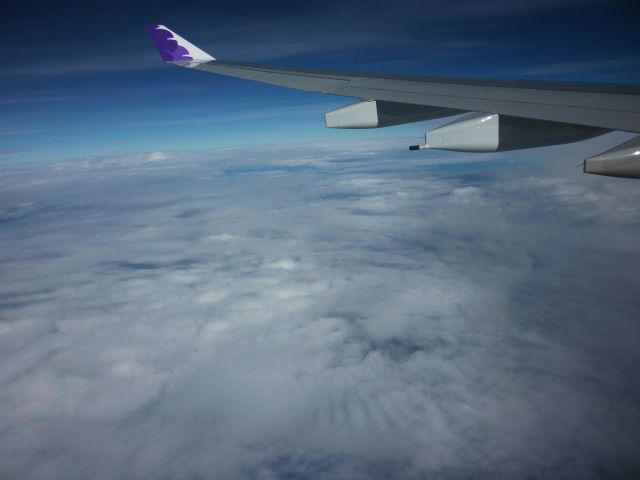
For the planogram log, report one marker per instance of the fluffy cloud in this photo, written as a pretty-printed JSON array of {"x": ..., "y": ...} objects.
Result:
[{"x": 317, "y": 313}]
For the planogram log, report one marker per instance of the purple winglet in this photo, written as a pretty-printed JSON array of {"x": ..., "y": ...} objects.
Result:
[{"x": 166, "y": 45}]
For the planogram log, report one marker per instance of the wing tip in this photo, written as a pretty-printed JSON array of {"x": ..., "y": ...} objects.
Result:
[{"x": 175, "y": 49}]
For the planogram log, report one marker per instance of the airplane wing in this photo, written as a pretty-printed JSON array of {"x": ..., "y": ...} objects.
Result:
[{"x": 505, "y": 115}]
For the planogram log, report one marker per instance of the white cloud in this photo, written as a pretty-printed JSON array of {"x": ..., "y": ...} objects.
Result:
[
  {"x": 158, "y": 156},
  {"x": 210, "y": 296},
  {"x": 363, "y": 316}
]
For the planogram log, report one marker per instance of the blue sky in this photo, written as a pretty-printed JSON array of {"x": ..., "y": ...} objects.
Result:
[{"x": 84, "y": 80}]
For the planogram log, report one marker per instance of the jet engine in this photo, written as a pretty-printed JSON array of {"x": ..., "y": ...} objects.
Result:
[
  {"x": 491, "y": 132},
  {"x": 620, "y": 161},
  {"x": 378, "y": 113}
]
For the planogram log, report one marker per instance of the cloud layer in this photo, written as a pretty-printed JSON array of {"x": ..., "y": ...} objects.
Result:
[{"x": 317, "y": 313}]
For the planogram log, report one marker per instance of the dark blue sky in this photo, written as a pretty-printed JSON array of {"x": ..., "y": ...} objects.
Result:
[{"x": 81, "y": 79}]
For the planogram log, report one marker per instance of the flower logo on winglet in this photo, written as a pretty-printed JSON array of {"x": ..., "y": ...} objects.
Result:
[{"x": 166, "y": 45}]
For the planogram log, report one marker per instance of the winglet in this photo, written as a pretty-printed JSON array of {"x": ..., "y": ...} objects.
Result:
[{"x": 175, "y": 49}]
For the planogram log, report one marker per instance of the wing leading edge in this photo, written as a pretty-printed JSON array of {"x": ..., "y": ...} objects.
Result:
[
  {"x": 589, "y": 105},
  {"x": 537, "y": 107}
]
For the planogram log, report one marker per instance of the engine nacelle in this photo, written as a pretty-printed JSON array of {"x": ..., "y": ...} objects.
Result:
[
  {"x": 620, "y": 161},
  {"x": 378, "y": 113},
  {"x": 494, "y": 132}
]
